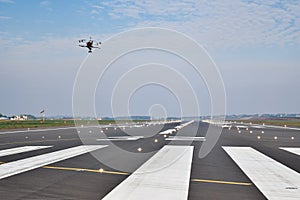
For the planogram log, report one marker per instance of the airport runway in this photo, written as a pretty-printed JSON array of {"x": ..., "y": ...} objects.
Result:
[{"x": 247, "y": 162}]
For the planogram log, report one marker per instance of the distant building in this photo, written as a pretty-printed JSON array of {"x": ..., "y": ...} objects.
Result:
[{"x": 19, "y": 118}]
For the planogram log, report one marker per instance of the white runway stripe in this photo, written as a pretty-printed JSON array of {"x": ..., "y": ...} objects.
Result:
[
  {"x": 275, "y": 180},
  {"x": 295, "y": 150},
  {"x": 169, "y": 131},
  {"x": 19, "y": 166},
  {"x": 17, "y": 150},
  {"x": 164, "y": 176},
  {"x": 120, "y": 138},
  {"x": 186, "y": 138}
]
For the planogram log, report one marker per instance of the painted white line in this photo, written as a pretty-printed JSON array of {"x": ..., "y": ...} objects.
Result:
[
  {"x": 19, "y": 166},
  {"x": 184, "y": 125},
  {"x": 275, "y": 180},
  {"x": 242, "y": 127},
  {"x": 226, "y": 126},
  {"x": 120, "y": 138},
  {"x": 17, "y": 150},
  {"x": 178, "y": 127},
  {"x": 295, "y": 150},
  {"x": 185, "y": 138},
  {"x": 164, "y": 176},
  {"x": 273, "y": 126},
  {"x": 258, "y": 127},
  {"x": 281, "y": 127},
  {"x": 169, "y": 131}
]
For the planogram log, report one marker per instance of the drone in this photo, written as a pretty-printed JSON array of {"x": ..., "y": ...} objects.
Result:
[{"x": 91, "y": 44}]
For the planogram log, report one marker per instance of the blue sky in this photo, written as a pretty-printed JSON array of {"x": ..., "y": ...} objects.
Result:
[{"x": 256, "y": 45}]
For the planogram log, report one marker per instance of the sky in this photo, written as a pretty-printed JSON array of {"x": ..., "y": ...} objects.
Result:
[{"x": 255, "y": 45}]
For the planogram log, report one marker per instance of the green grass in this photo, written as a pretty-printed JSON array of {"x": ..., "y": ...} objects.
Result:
[
  {"x": 289, "y": 123},
  {"x": 34, "y": 124},
  {"x": 52, "y": 123}
]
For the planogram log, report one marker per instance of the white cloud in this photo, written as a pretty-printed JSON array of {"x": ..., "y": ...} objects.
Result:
[
  {"x": 6, "y": 1},
  {"x": 4, "y": 17},
  {"x": 97, "y": 6},
  {"x": 215, "y": 24},
  {"x": 221, "y": 23},
  {"x": 46, "y": 5},
  {"x": 94, "y": 12}
]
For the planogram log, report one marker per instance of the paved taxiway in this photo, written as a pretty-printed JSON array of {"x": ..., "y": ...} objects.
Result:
[{"x": 82, "y": 176}]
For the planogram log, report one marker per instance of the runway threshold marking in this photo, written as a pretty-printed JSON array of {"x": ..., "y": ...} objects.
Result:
[
  {"x": 273, "y": 179},
  {"x": 166, "y": 175},
  {"x": 23, "y": 149},
  {"x": 221, "y": 182},
  {"x": 294, "y": 150},
  {"x": 19, "y": 166}
]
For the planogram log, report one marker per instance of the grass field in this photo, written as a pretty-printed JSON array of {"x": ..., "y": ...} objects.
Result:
[{"x": 49, "y": 123}]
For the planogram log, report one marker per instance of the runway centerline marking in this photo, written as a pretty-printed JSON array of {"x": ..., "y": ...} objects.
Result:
[
  {"x": 127, "y": 173},
  {"x": 166, "y": 175},
  {"x": 23, "y": 149},
  {"x": 294, "y": 150},
  {"x": 19, "y": 166},
  {"x": 272, "y": 178},
  {"x": 221, "y": 182},
  {"x": 86, "y": 170}
]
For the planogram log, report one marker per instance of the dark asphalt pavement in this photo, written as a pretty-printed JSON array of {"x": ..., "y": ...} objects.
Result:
[{"x": 214, "y": 177}]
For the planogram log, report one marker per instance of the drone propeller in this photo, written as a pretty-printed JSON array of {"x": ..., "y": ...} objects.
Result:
[{"x": 90, "y": 44}]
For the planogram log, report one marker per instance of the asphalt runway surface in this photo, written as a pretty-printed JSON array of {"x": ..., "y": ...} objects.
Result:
[{"x": 95, "y": 175}]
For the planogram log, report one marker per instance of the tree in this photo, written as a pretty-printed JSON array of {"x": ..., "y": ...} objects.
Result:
[{"x": 1, "y": 115}]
